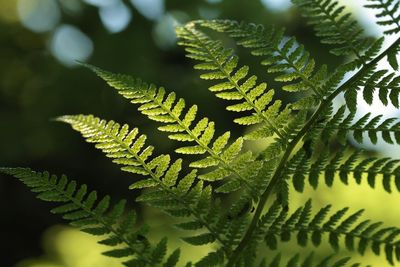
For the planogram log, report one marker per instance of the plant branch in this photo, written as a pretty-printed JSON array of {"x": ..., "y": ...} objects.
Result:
[{"x": 307, "y": 127}]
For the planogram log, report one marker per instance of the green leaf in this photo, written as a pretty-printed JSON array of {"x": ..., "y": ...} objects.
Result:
[
  {"x": 159, "y": 251},
  {"x": 199, "y": 240}
]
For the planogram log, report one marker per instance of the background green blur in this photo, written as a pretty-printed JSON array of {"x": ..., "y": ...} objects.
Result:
[{"x": 39, "y": 80}]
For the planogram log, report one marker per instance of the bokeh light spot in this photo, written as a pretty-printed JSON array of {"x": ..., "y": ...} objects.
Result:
[
  {"x": 151, "y": 9},
  {"x": 164, "y": 31},
  {"x": 277, "y": 5},
  {"x": 72, "y": 7},
  {"x": 39, "y": 15},
  {"x": 101, "y": 3},
  {"x": 208, "y": 13},
  {"x": 115, "y": 17},
  {"x": 214, "y": 1},
  {"x": 69, "y": 44}
]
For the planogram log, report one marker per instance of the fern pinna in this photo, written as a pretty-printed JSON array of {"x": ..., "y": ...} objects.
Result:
[{"x": 232, "y": 197}]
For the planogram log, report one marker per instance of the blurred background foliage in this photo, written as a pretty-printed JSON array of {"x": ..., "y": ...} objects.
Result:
[{"x": 39, "y": 80}]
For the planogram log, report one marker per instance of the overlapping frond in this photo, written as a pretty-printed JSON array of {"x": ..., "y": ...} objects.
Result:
[
  {"x": 309, "y": 261},
  {"x": 389, "y": 14},
  {"x": 224, "y": 157},
  {"x": 386, "y": 83},
  {"x": 234, "y": 82},
  {"x": 372, "y": 80},
  {"x": 222, "y": 64},
  {"x": 97, "y": 217},
  {"x": 284, "y": 56},
  {"x": 177, "y": 195},
  {"x": 336, "y": 27},
  {"x": 346, "y": 164},
  {"x": 341, "y": 125},
  {"x": 359, "y": 236}
]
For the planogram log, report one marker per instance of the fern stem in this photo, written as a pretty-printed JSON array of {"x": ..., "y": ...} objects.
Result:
[
  {"x": 307, "y": 127},
  {"x": 235, "y": 84},
  {"x": 166, "y": 188}
]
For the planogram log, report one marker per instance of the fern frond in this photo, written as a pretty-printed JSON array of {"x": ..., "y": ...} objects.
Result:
[
  {"x": 285, "y": 57},
  {"x": 227, "y": 158},
  {"x": 221, "y": 64},
  {"x": 342, "y": 125},
  {"x": 177, "y": 196},
  {"x": 96, "y": 217},
  {"x": 214, "y": 258},
  {"x": 358, "y": 236},
  {"x": 274, "y": 219},
  {"x": 388, "y": 14},
  {"x": 271, "y": 119},
  {"x": 386, "y": 83},
  {"x": 336, "y": 27},
  {"x": 309, "y": 261},
  {"x": 352, "y": 166}
]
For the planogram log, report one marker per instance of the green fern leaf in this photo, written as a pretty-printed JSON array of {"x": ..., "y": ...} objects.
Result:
[
  {"x": 162, "y": 107},
  {"x": 237, "y": 84},
  {"x": 173, "y": 258},
  {"x": 200, "y": 239},
  {"x": 215, "y": 258},
  {"x": 177, "y": 197}
]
